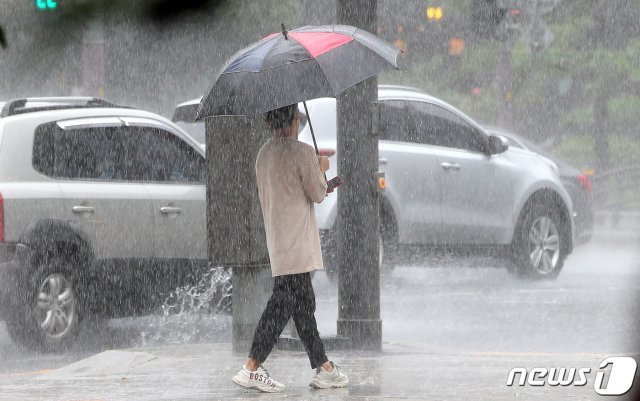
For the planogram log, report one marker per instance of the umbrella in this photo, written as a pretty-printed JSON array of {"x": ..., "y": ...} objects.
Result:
[{"x": 292, "y": 66}]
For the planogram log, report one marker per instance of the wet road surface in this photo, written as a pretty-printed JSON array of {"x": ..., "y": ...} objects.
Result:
[{"x": 461, "y": 306}]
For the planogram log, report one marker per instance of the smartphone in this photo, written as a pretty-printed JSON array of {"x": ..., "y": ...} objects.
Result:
[{"x": 334, "y": 183}]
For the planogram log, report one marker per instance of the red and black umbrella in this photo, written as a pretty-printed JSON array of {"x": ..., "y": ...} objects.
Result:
[{"x": 293, "y": 66}]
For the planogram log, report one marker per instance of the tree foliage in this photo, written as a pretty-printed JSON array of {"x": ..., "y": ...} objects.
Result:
[{"x": 594, "y": 56}]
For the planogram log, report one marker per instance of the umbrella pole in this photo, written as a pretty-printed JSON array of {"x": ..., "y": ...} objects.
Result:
[{"x": 315, "y": 144}]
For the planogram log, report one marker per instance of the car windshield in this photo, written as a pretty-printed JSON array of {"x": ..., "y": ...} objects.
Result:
[
  {"x": 536, "y": 148},
  {"x": 522, "y": 143}
]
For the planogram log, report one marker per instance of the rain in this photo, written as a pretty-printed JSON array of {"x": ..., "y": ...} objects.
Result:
[{"x": 483, "y": 236}]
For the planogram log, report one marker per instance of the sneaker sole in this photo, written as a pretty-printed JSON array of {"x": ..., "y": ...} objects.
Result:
[
  {"x": 265, "y": 389},
  {"x": 318, "y": 385}
]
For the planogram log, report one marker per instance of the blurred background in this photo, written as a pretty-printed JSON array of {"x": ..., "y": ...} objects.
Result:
[{"x": 562, "y": 73}]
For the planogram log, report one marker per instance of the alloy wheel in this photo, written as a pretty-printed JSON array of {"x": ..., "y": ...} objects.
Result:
[
  {"x": 56, "y": 307},
  {"x": 544, "y": 245}
]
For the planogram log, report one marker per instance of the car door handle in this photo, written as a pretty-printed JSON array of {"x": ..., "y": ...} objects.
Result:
[
  {"x": 382, "y": 160},
  {"x": 450, "y": 166},
  {"x": 169, "y": 210},
  {"x": 83, "y": 209}
]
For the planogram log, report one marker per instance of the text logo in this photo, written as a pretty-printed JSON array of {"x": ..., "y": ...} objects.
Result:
[
  {"x": 623, "y": 370},
  {"x": 620, "y": 379}
]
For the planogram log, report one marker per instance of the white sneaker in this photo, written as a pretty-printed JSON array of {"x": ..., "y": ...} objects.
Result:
[
  {"x": 259, "y": 379},
  {"x": 324, "y": 379}
]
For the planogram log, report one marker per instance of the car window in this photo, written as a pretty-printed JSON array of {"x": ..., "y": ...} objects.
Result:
[
  {"x": 82, "y": 152},
  {"x": 43, "y": 149},
  {"x": 167, "y": 158},
  {"x": 134, "y": 153},
  {"x": 393, "y": 125},
  {"x": 435, "y": 125},
  {"x": 91, "y": 153}
]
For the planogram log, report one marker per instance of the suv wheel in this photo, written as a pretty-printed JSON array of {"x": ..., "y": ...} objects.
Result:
[
  {"x": 56, "y": 312},
  {"x": 50, "y": 317},
  {"x": 540, "y": 249}
]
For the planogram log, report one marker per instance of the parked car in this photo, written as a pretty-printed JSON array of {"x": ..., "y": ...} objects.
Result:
[
  {"x": 184, "y": 116},
  {"x": 577, "y": 184},
  {"x": 451, "y": 184},
  {"x": 101, "y": 213}
]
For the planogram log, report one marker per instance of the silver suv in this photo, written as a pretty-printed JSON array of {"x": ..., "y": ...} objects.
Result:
[
  {"x": 102, "y": 211},
  {"x": 451, "y": 184}
]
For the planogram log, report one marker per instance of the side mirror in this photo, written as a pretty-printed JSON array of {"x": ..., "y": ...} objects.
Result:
[{"x": 497, "y": 145}]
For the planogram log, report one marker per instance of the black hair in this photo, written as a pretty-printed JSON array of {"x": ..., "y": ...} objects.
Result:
[{"x": 282, "y": 117}]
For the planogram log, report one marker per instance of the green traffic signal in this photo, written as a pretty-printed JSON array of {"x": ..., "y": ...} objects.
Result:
[{"x": 47, "y": 4}]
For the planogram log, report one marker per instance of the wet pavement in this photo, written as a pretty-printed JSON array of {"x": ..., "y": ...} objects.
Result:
[
  {"x": 451, "y": 330},
  {"x": 203, "y": 372}
]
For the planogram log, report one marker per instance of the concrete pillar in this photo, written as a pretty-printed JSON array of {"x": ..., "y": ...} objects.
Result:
[
  {"x": 358, "y": 215},
  {"x": 251, "y": 290},
  {"x": 235, "y": 227}
]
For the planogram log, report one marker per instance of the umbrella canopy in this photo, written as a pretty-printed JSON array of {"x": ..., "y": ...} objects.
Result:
[{"x": 293, "y": 66}]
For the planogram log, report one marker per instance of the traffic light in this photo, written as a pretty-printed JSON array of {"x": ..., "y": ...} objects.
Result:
[
  {"x": 434, "y": 13},
  {"x": 45, "y": 5}
]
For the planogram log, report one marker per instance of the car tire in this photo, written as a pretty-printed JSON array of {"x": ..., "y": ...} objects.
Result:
[
  {"x": 539, "y": 247},
  {"x": 49, "y": 319},
  {"x": 386, "y": 267},
  {"x": 387, "y": 242}
]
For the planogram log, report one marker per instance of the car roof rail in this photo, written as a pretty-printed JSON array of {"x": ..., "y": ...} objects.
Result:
[
  {"x": 21, "y": 106},
  {"x": 402, "y": 87}
]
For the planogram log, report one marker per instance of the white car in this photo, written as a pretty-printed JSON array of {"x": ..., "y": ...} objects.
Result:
[
  {"x": 577, "y": 184},
  {"x": 184, "y": 116},
  {"x": 451, "y": 184},
  {"x": 102, "y": 211}
]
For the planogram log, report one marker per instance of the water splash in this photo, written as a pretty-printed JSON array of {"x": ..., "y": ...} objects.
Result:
[{"x": 194, "y": 313}]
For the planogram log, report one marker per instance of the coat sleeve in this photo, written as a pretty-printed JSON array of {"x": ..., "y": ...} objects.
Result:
[{"x": 313, "y": 181}]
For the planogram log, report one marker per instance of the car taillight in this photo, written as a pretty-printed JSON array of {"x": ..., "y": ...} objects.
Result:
[
  {"x": 585, "y": 181},
  {"x": 1, "y": 218},
  {"x": 326, "y": 152}
]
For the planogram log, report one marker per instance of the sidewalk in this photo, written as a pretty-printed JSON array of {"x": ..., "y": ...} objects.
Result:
[
  {"x": 203, "y": 372},
  {"x": 469, "y": 312}
]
